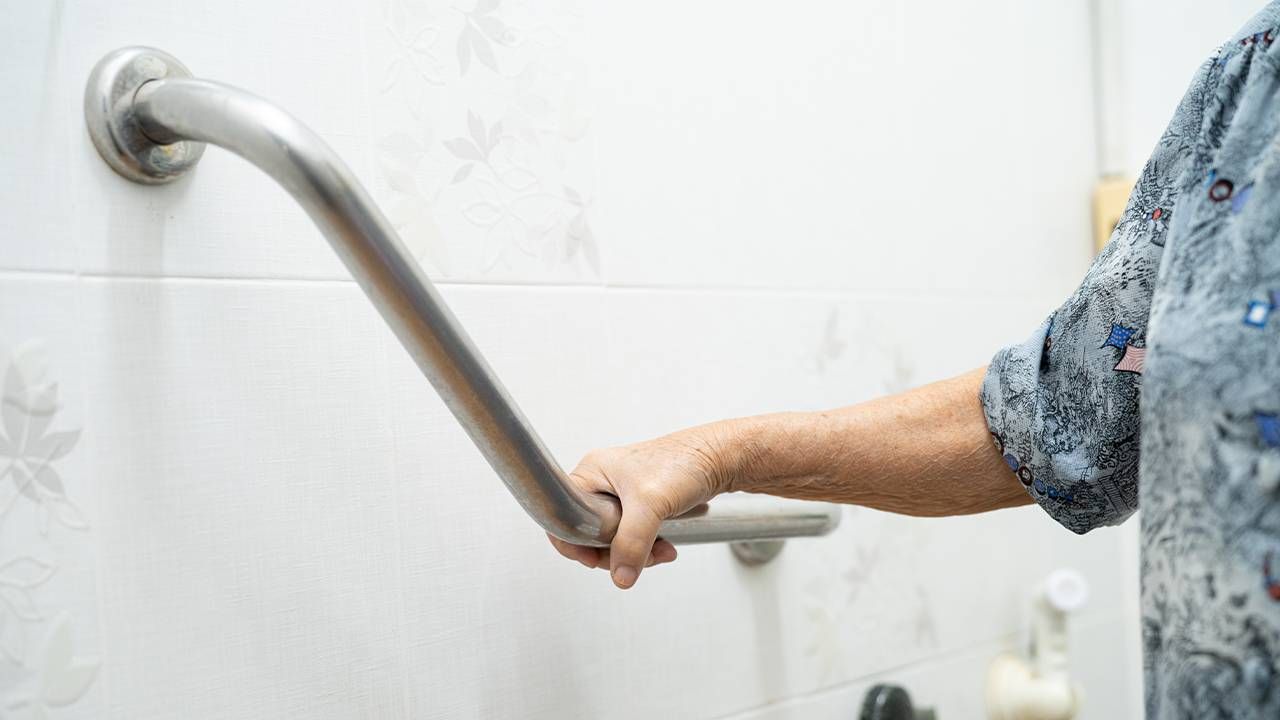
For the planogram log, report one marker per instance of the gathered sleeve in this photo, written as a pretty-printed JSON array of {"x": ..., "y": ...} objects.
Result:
[{"x": 1062, "y": 407}]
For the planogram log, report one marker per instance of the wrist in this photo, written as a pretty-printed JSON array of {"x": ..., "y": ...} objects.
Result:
[{"x": 755, "y": 452}]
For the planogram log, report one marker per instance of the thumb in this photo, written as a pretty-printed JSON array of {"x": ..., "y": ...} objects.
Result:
[{"x": 633, "y": 542}]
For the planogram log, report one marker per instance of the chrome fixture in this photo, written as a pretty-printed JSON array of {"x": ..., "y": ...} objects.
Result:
[
  {"x": 150, "y": 120},
  {"x": 892, "y": 702}
]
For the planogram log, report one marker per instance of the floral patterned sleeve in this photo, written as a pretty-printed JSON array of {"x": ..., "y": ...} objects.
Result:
[{"x": 1062, "y": 407}]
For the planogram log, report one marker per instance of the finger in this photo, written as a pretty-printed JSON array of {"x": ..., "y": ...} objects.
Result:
[
  {"x": 655, "y": 558},
  {"x": 695, "y": 511},
  {"x": 663, "y": 551},
  {"x": 586, "y": 555},
  {"x": 631, "y": 545}
]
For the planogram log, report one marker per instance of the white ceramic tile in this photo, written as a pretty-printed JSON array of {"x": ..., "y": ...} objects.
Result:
[
  {"x": 692, "y": 357},
  {"x": 282, "y": 505},
  {"x": 228, "y": 219},
  {"x": 305, "y": 55},
  {"x": 494, "y": 626},
  {"x": 999, "y": 145},
  {"x": 879, "y": 145},
  {"x": 36, "y": 231},
  {"x": 755, "y": 148},
  {"x": 1164, "y": 44},
  {"x": 482, "y": 137},
  {"x": 614, "y": 161},
  {"x": 952, "y": 684},
  {"x": 496, "y": 622},
  {"x": 50, "y": 643},
  {"x": 248, "y": 515}
]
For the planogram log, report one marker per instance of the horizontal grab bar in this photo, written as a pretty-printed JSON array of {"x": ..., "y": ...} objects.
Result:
[{"x": 150, "y": 120}]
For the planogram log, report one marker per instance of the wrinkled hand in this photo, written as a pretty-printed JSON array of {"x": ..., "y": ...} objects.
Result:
[{"x": 654, "y": 481}]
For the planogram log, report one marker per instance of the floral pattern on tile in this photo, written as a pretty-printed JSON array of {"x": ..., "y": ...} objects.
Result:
[
  {"x": 832, "y": 344},
  {"x": 830, "y": 604},
  {"x": 43, "y": 667},
  {"x": 483, "y": 151}
]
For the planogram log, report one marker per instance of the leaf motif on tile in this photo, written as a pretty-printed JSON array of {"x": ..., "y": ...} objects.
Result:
[
  {"x": 824, "y": 619},
  {"x": 480, "y": 143},
  {"x": 479, "y": 135},
  {"x": 464, "y": 149},
  {"x": 50, "y": 674},
  {"x": 830, "y": 599},
  {"x": 16, "y": 601},
  {"x": 411, "y": 209},
  {"x": 902, "y": 372},
  {"x": 462, "y": 173},
  {"x": 495, "y": 30},
  {"x": 481, "y": 30},
  {"x": 413, "y": 49},
  {"x": 28, "y": 406},
  {"x": 580, "y": 241},
  {"x": 65, "y": 677},
  {"x": 19, "y": 577},
  {"x": 573, "y": 197},
  {"x": 483, "y": 214},
  {"x": 62, "y": 679},
  {"x": 398, "y": 157},
  {"x": 483, "y": 49},
  {"x": 489, "y": 177},
  {"x": 924, "y": 625},
  {"x": 858, "y": 575},
  {"x": 464, "y": 50},
  {"x": 472, "y": 41},
  {"x": 518, "y": 179},
  {"x": 832, "y": 345}
]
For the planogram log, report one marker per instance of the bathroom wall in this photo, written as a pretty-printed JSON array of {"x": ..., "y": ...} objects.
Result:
[
  {"x": 230, "y": 494},
  {"x": 1164, "y": 43}
]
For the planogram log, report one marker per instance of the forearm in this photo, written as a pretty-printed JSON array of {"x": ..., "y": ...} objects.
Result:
[{"x": 923, "y": 452}]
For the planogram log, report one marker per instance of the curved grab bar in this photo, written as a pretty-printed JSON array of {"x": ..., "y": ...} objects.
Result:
[{"x": 149, "y": 120}]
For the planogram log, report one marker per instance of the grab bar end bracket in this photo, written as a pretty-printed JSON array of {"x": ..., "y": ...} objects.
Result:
[
  {"x": 114, "y": 127},
  {"x": 756, "y": 552}
]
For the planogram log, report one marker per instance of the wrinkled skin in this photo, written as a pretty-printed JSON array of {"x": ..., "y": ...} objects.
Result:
[{"x": 653, "y": 481}]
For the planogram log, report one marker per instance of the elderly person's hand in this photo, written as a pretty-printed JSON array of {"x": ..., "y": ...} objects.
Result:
[
  {"x": 924, "y": 452},
  {"x": 654, "y": 480}
]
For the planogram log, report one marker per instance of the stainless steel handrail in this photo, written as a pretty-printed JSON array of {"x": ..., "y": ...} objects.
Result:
[{"x": 149, "y": 120}]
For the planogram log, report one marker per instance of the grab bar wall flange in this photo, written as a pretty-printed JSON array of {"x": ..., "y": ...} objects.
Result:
[
  {"x": 114, "y": 127},
  {"x": 150, "y": 121}
]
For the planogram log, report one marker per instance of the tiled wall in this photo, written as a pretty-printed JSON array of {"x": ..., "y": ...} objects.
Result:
[
  {"x": 239, "y": 497},
  {"x": 1165, "y": 41}
]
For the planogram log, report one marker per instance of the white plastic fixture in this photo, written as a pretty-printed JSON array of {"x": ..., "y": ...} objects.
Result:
[{"x": 1041, "y": 689}]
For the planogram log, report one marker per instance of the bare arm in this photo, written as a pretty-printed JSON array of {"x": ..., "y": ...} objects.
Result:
[{"x": 925, "y": 452}]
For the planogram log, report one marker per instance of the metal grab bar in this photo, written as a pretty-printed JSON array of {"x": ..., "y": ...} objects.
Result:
[{"x": 149, "y": 120}]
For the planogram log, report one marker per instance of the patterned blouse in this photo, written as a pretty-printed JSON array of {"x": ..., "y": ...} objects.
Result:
[{"x": 1158, "y": 384}]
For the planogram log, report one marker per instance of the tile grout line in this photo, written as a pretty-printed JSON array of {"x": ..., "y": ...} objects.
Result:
[
  {"x": 657, "y": 288},
  {"x": 1085, "y": 621}
]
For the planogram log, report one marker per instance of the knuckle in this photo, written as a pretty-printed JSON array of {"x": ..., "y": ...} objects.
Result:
[{"x": 656, "y": 499}]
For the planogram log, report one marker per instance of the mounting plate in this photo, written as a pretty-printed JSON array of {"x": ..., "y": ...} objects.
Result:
[
  {"x": 108, "y": 113},
  {"x": 756, "y": 552}
]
